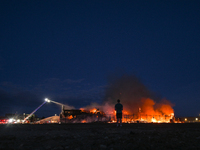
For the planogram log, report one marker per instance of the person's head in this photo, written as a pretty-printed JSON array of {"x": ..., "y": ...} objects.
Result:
[{"x": 118, "y": 101}]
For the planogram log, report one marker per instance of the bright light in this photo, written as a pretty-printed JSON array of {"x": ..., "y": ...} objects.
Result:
[
  {"x": 153, "y": 120},
  {"x": 196, "y": 118},
  {"x": 47, "y": 100},
  {"x": 18, "y": 120},
  {"x": 10, "y": 120},
  {"x": 185, "y": 119}
]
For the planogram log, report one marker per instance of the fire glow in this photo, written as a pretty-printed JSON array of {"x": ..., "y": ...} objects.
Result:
[
  {"x": 139, "y": 105},
  {"x": 137, "y": 100},
  {"x": 147, "y": 113}
]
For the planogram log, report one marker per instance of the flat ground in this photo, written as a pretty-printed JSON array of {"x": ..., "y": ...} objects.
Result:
[{"x": 100, "y": 136}]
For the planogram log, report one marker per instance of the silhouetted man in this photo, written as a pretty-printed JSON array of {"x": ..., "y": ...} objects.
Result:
[{"x": 119, "y": 108}]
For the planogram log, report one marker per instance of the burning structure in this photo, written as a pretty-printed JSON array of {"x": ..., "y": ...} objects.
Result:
[
  {"x": 94, "y": 115},
  {"x": 81, "y": 116},
  {"x": 140, "y": 105}
]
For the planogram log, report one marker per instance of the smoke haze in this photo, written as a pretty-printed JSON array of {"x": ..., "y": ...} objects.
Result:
[{"x": 134, "y": 95}]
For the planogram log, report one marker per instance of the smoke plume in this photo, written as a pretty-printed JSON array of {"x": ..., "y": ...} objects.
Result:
[{"x": 134, "y": 95}]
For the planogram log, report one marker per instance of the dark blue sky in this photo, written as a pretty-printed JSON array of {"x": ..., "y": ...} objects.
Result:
[{"x": 65, "y": 50}]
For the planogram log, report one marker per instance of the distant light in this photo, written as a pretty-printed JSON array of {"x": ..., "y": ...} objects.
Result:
[
  {"x": 196, "y": 118},
  {"x": 185, "y": 119},
  {"x": 10, "y": 120},
  {"x": 47, "y": 100}
]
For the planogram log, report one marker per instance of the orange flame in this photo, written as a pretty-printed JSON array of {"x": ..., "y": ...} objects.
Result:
[
  {"x": 94, "y": 110},
  {"x": 146, "y": 110}
]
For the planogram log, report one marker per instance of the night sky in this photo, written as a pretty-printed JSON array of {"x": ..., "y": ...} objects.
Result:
[{"x": 67, "y": 50}]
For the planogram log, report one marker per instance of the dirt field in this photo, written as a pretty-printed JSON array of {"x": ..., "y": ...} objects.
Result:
[{"x": 100, "y": 136}]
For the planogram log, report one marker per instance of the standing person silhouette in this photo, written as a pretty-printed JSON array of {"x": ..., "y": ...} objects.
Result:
[{"x": 119, "y": 108}]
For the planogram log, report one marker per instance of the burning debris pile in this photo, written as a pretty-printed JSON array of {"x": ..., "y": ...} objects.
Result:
[
  {"x": 140, "y": 104},
  {"x": 81, "y": 116}
]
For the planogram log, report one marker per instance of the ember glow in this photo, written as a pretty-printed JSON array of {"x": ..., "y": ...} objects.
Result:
[{"x": 94, "y": 110}]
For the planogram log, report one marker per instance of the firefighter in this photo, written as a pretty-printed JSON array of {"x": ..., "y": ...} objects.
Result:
[{"x": 119, "y": 108}]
